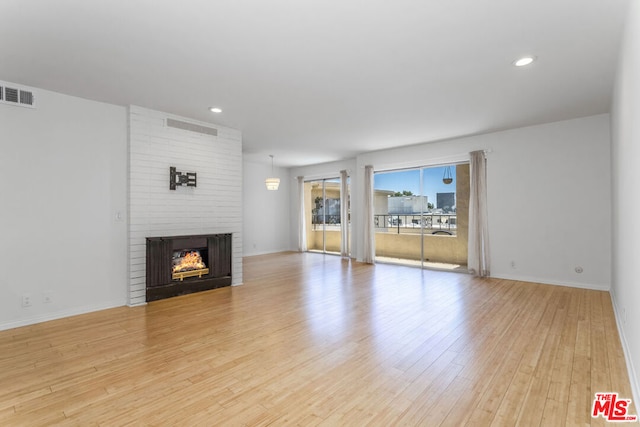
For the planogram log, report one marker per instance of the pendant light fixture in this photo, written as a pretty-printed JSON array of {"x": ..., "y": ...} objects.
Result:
[
  {"x": 272, "y": 183},
  {"x": 447, "y": 177}
]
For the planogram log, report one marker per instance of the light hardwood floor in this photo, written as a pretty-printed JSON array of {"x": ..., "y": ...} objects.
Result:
[{"x": 316, "y": 340}]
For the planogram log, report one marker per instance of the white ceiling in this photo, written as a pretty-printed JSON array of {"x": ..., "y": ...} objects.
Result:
[{"x": 312, "y": 81}]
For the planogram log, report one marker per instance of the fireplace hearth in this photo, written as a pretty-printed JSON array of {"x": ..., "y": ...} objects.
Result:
[{"x": 178, "y": 265}]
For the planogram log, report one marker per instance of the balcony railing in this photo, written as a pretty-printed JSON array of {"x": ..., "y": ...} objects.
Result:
[
  {"x": 325, "y": 219},
  {"x": 435, "y": 223}
]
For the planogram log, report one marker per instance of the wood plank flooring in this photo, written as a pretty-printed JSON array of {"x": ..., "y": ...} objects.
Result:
[{"x": 315, "y": 340}]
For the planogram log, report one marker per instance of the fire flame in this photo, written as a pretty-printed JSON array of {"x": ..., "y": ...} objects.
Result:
[{"x": 190, "y": 261}]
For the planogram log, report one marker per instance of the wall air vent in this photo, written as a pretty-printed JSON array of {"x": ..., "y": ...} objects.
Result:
[
  {"x": 13, "y": 94},
  {"x": 172, "y": 123}
]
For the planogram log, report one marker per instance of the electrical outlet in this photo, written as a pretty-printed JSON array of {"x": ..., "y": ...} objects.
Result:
[
  {"x": 47, "y": 297},
  {"x": 26, "y": 300}
]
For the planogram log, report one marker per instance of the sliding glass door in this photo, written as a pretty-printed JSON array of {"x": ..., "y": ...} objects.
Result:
[
  {"x": 421, "y": 216},
  {"x": 323, "y": 222},
  {"x": 398, "y": 209}
]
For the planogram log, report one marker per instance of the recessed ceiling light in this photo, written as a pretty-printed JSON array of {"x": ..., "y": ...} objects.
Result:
[
  {"x": 215, "y": 110},
  {"x": 525, "y": 60}
]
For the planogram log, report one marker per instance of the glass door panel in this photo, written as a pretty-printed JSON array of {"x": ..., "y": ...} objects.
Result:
[
  {"x": 398, "y": 208},
  {"x": 322, "y": 208},
  {"x": 421, "y": 216}
]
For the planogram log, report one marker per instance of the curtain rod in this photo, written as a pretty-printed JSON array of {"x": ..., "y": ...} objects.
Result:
[
  {"x": 452, "y": 159},
  {"x": 328, "y": 175}
]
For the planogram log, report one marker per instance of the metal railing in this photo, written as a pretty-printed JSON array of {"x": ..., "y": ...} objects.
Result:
[
  {"x": 436, "y": 223},
  {"x": 325, "y": 219}
]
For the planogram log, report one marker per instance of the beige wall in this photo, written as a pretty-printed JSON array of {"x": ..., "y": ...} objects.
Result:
[
  {"x": 437, "y": 248},
  {"x": 332, "y": 237},
  {"x": 381, "y": 202}
]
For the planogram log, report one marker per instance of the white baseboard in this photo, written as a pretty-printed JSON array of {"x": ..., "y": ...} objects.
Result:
[
  {"x": 45, "y": 317},
  {"x": 591, "y": 286},
  {"x": 138, "y": 304},
  {"x": 272, "y": 251},
  {"x": 631, "y": 371}
]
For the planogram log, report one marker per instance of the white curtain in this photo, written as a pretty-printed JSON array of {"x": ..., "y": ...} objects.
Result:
[
  {"x": 369, "y": 236},
  {"x": 302, "y": 228},
  {"x": 478, "y": 260},
  {"x": 344, "y": 214}
]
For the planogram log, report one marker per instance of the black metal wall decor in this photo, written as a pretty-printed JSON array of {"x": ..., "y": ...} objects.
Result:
[{"x": 187, "y": 179}]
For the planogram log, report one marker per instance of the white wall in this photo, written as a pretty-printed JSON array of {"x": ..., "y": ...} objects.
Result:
[
  {"x": 213, "y": 206},
  {"x": 319, "y": 171},
  {"x": 549, "y": 197},
  {"x": 64, "y": 168},
  {"x": 626, "y": 195},
  {"x": 266, "y": 213}
]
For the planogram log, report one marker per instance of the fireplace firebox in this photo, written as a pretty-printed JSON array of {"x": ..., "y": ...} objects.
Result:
[{"x": 178, "y": 265}]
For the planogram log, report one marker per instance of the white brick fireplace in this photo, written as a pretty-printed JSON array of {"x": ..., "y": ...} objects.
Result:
[{"x": 213, "y": 206}]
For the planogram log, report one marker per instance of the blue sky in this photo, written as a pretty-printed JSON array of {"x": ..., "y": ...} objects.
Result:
[{"x": 410, "y": 180}]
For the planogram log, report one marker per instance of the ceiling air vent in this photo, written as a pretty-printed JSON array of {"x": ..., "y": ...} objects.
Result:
[
  {"x": 12, "y": 94},
  {"x": 172, "y": 123}
]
